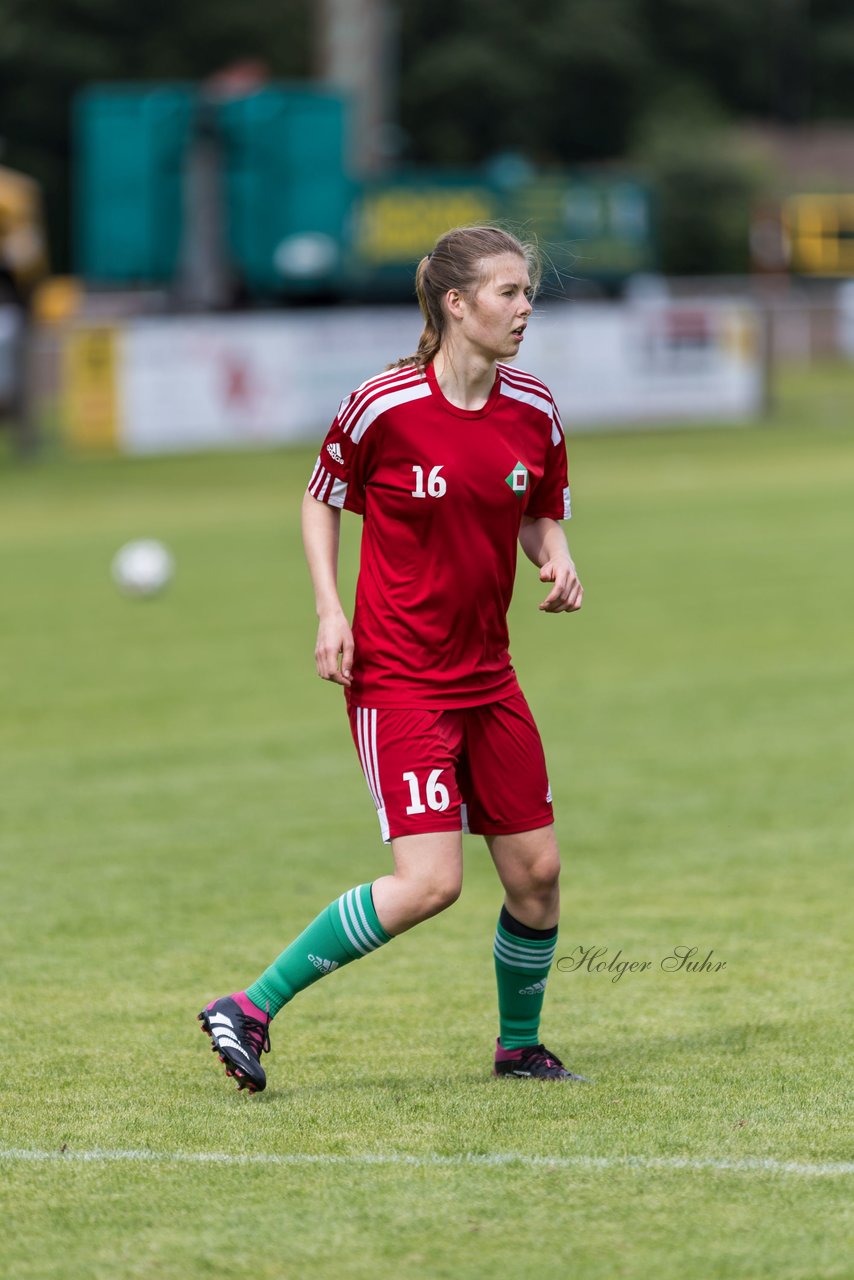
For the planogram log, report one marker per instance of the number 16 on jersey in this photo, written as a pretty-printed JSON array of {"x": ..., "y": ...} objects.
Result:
[{"x": 437, "y": 485}]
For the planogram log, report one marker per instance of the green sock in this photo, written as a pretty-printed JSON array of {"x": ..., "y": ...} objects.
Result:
[
  {"x": 347, "y": 929},
  {"x": 523, "y": 957}
]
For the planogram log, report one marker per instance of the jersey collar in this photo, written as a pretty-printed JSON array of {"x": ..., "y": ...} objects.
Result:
[{"x": 439, "y": 395}]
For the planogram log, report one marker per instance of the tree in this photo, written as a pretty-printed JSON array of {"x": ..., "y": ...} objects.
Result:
[
  {"x": 480, "y": 78},
  {"x": 49, "y": 49},
  {"x": 562, "y": 82}
]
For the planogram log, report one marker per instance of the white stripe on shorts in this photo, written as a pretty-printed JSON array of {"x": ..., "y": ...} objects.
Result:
[
  {"x": 361, "y": 733},
  {"x": 366, "y": 733},
  {"x": 375, "y": 758}
]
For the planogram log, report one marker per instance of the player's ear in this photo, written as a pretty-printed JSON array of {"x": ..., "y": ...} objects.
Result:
[{"x": 455, "y": 303}]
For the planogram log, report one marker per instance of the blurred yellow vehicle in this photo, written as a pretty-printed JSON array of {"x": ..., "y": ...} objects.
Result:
[
  {"x": 23, "y": 242},
  {"x": 23, "y": 265}
]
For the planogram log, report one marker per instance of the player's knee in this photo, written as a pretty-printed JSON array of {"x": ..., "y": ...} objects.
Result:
[
  {"x": 544, "y": 875},
  {"x": 437, "y": 895}
]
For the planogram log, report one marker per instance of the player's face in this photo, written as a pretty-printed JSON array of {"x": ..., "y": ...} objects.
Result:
[{"x": 496, "y": 316}]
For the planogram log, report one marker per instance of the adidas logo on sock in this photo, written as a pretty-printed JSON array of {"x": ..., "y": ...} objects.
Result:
[
  {"x": 325, "y": 966},
  {"x": 334, "y": 451},
  {"x": 534, "y": 990}
]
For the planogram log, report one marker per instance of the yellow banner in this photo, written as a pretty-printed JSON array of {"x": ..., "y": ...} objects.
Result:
[
  {"x": 820, "y": 231},
  {"x": 91, "y": 399},
  {"x": 399, "y": 224}
]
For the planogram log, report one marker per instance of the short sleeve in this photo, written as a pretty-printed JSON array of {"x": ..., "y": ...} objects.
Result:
[
  {"x": 550, "y": 497},
  {"x": 351, "y": 452},
  {"x": 338, "y": 476}
]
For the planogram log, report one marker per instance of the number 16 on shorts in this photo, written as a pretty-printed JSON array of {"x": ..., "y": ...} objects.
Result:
[
  {"x": 478, "y": 769},
  {"x": 435, "y": 793}
]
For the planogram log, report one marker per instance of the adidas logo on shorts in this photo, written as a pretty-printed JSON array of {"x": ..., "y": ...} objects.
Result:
[{"x": 325, "y": 966}]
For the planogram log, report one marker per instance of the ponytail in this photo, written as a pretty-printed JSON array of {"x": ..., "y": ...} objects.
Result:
[
  {"x": 457, "y": 262},
  {"x": 434, "y": 321}
]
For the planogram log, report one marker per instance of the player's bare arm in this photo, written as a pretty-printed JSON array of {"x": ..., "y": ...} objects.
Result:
[
  {"x": 333, "y": 651},
  {"x": 545, "y": 545}
]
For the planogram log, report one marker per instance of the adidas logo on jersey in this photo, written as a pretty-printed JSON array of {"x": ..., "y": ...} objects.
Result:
[
  {"x": 535, "y": 990},
  {"x": 325, "y": 966},
  {"x": 334, "y": 451}
]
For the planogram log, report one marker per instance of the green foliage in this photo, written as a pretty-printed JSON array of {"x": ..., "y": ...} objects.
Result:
[
  {"x": 832, "y": 88},
  {"x": 706, "y": 180},
  {"x": 565, "y": 83},
  {"x": 749, "y": 59},
  {"x": 561, "y": 87},
  {"x": 49, "y": 49},
  {"x": 180, "y": 793}
]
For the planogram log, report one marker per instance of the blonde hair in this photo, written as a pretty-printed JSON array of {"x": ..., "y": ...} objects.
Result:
[{"x": 458, "y": 262}]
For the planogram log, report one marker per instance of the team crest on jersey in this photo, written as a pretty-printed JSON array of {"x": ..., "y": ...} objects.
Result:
[{"x": 518, "y": 478}]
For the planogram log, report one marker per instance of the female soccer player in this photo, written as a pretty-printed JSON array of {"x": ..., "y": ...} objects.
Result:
[{"x": 451, "y": 457}]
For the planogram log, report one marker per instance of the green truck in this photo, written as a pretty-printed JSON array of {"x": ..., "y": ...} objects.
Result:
[{"x": 250, "y": 198}]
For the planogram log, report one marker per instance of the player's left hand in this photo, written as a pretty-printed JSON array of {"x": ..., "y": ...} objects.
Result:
[{"x": 567, "y": 593}]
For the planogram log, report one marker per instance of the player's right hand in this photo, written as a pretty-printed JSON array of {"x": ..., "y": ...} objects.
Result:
[{"x": 333, "y": 652}]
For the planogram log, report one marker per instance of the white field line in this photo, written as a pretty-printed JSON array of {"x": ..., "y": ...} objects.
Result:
[{"x": 747, "y": 1164}]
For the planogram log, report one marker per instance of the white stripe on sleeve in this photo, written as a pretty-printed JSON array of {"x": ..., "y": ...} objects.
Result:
[{"x": 338, "y": 493}]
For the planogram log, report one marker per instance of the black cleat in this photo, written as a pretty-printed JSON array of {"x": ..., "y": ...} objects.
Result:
[
  {"x": 239, "y": 1039},
  {"x": 534, "y": 1062}
]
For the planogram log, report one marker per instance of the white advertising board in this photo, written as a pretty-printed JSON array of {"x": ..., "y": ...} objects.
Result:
[
  {"x": 239, "y": 381},
  {"x": 186, "y": 383},
  {"x": 650, "y": 362}
]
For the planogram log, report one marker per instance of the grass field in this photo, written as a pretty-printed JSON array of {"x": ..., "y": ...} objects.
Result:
[{"x": 180, "y": 795}]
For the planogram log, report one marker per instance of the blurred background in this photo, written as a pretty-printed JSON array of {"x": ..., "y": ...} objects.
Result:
[
  {"x": 210, "y": 214},
  {"x": 199, "y": 203}
]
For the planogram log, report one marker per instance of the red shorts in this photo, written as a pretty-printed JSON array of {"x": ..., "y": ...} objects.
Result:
[{"x": 477, "y": 769}]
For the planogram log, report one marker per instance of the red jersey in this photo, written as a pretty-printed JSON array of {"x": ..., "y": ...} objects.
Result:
[{"x": 442, "y": 491}]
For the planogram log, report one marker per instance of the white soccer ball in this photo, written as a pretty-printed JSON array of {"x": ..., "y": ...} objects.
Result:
[{"x": 142, "y": 568}]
